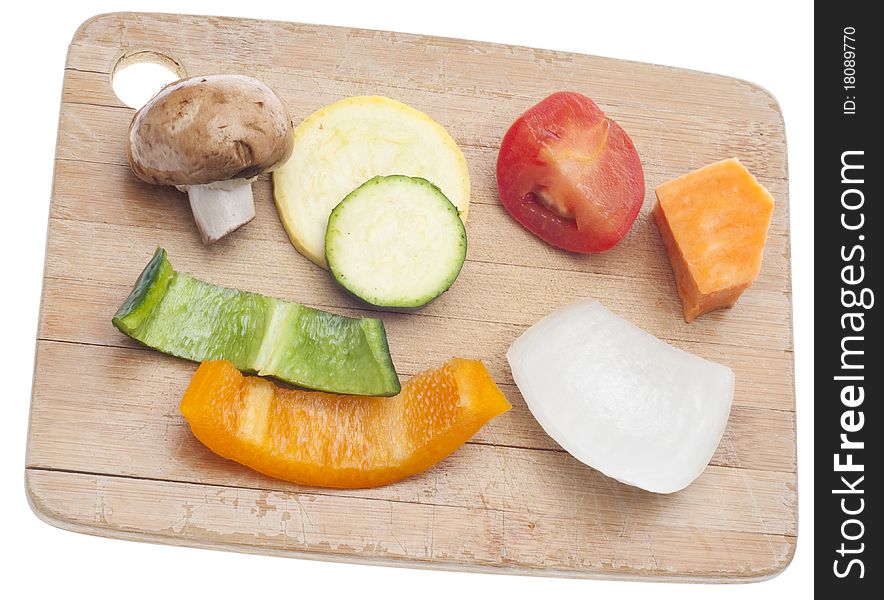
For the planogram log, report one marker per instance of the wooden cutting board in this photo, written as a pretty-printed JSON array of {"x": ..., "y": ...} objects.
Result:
[{"x": 109, "y": 454}]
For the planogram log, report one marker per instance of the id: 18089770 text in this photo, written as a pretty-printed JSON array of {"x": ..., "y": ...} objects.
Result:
[{"x": 849, "y": 71}]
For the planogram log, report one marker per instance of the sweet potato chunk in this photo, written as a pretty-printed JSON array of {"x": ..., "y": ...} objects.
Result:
[{"x": 714, "y": 224}]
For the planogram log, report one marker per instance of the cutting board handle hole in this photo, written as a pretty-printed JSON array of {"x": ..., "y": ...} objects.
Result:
[{"x": 137, "y": 76}]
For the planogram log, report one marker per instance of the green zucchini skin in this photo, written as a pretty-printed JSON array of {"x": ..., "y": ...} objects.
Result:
[{"x": 183, "y": 316}]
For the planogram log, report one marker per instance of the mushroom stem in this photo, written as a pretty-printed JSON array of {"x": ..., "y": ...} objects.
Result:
[{"x": 221, "y": 207}]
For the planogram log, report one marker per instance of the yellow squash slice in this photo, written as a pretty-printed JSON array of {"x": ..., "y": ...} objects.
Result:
[{"x": 343, "y": 145}]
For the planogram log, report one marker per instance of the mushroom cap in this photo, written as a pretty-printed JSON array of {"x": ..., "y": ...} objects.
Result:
[{"x": 211, "y": 128}]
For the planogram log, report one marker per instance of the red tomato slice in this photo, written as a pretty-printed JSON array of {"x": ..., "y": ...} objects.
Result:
[{"x": 570, "y": 175}]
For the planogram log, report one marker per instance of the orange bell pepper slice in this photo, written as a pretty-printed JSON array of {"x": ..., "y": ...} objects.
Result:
[{"x": 328, "y": 440}]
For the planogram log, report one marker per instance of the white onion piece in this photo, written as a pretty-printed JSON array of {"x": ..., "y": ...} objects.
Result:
[{"x": 621, "y": 400}]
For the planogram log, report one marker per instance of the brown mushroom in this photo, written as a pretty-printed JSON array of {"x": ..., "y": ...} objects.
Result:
[{"x": 211, "y": 136}]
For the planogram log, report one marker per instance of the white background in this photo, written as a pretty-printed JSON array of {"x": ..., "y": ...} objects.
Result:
[{"x": 768, "y": 42}]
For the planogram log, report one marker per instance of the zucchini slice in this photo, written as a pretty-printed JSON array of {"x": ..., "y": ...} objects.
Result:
[{"x": 395, "y": 241}]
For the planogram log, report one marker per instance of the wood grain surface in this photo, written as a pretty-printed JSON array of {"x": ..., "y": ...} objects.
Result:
[{"x": 109, "y": 454}]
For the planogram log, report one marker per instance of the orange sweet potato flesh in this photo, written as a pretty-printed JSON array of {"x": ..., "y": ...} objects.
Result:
[
  {"x": 328, "y": 440},
  {"x": 714, "y": 224}
]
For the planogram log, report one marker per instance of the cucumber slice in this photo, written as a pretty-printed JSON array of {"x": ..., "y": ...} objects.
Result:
[
  {"x": 395, "y": 241},
  {"x": 180, "y": 315}
]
